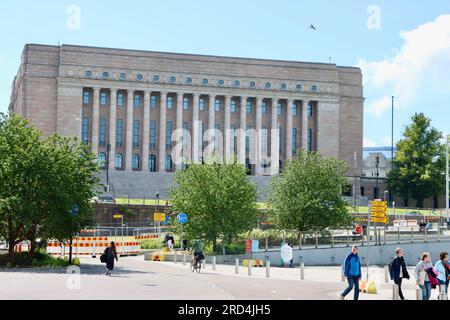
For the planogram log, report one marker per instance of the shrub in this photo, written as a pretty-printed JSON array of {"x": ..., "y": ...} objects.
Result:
[{"x": 24, "y": 260}]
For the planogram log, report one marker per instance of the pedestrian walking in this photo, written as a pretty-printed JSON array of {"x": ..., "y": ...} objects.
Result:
[
  {"x": 443, "y": 268},
  {"x": 421, "y": 275},
  {"x": 110, "y": 254},
  {"x": 352, "y": 272},
  {"x": 398, "y": 271}
]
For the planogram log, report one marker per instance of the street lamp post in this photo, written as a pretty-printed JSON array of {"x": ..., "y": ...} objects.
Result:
[
  {"x": 447, "y": 142},
  {"x": 108, "y": 149},
  {"x": 377, "y": 164}
]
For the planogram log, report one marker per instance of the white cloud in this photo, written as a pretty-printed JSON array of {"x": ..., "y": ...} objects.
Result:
[
  {"x": 369, "y": 143},
  {"x": 422, "y": 61}
]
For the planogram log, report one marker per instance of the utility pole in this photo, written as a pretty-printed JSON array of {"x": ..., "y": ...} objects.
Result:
[
  {"x": 447, "y": 141},
  {"x": 377, "y": 164},
  {"x": 392, "y": 144},
  {"x": 108, "y": 148}
]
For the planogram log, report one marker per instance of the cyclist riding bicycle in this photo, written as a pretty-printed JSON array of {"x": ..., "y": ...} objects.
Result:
[{"x": 197, "y": 248}]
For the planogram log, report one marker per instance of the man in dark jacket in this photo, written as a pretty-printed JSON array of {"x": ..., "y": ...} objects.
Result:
[
  {"x": 398, "y": 271},
  {"x": 352, "y": 271}
]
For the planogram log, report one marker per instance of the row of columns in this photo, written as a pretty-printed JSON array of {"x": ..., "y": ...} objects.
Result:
[{"x": 241, "y": 137}]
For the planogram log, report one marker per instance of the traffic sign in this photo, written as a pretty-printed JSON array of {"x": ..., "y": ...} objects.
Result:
[
  {"x": 74, "y": 210},
  {"x": 378, "y": 204},
  {"x": 117, "y": 216},
  {"x": 159, "y": 216},
  {"x": 380, "y": 220},
  {"x": 166, "y": 220},
  {"x": 182, "y": 218}
]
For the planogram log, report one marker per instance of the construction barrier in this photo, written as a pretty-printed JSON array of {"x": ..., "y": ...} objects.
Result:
[
  {"x": 146, "y": 237},
  {"x": 256, "y": 263},
  {"x": 22, "y": 247}
]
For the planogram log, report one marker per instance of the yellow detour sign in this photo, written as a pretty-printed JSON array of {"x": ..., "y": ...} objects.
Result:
[
  {"x": 380, "y": 220},
  {"x": 159, "y": 217},
  {"x": 117, "y": 216}
]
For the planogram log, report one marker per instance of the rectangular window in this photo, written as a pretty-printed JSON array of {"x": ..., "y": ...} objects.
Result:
[
  {"x": 233, "y": 105},
  {"x": 153, "y": 134},
  {"x": 120, "y": 99},
  {"x": 280, "y": 136},
  {"x": 103, "y": 98},
  {"x": 102, "y": 131},
  {"x": 85, "y": 134},
  {"x": 309, "y": 140},
  {"x": 201, "y": 104},
  {"x": 264, "y": 140},
  {"x": 218, "y": 103},
  {"x": 233, "y": 138},
  {"x": 186, "y": 103},
  {"x": 169, "y": 102},
  {"x": 279, "y": 109},
  {"x": 294, "y": 140},
  {"x": 310, "y": 110},
  {"x": 247, "y": 139},
  {"x": 153, "y": 101},
  {"x": 119, "y": 137},
  {"x": 249, "y": 106},
  {"x": 137, "y": 100},
  {"x": 169, "y": 134},
  {"x": 264, "y": 107},
  {"x": 135, "y": 133},
  {"x": 294, "y": 110},
  {"x": 86, "y": 97}
]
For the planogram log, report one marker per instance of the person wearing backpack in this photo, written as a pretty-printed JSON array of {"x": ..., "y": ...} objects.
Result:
[
  {"x": 398, "y": 270},
  {"x": 422, "y": 276},
  {"x": 108, "y": 257},
  {"x": 352, "y": 271},
  {"x": 442, "y": 267}
]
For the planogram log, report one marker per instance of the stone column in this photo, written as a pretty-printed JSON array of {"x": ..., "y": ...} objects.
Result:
[
  {"x": 129, "y": 131},
  {"x": 305, "y": 124},
  {"x": 242, "y": 131},
  {"x": 162, "y": 132},
  {"x": 211, "y": 126},
  {"x": 112, "y": 129},
  {"x": 196, "y": 147},
  {"x": 146, "y": 131},
  {"x": 227, "y": 129},
  {"x": 179, "y": 133},
  {"x": 274, "y": 145},
  {"x": 95, "y": 120},
  {"x": 289, "y": 129},
  {"x": 258, "y": 128}
]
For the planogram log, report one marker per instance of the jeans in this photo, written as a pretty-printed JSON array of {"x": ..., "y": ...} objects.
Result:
[
  {"x": 399, "y": 283},
  {"x": 441, "y": 283},
  {"x": 426, "y": 290},
  {"x": 352, "y": 282}
]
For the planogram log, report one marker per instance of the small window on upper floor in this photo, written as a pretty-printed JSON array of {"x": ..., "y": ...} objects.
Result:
[{"x": 86, "y": 97}]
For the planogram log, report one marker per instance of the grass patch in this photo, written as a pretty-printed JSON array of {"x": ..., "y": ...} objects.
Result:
[{"x": 40, "y": 260}]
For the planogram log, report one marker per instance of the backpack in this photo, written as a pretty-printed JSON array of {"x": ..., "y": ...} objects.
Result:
[
  {"x": 432, "y": 275},
  {"x": 390, "y": 265},
  {"x": 103, "y": 258}
]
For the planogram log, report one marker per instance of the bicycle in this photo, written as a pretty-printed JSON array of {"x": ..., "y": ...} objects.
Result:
[{"x": 196, "y": 265}]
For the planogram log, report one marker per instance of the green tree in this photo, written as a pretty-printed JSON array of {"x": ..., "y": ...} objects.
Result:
[
  {"x": 219, "y": 199},
  {"x": 419, "y": 162},
  {"x": 307, "y": 195}
]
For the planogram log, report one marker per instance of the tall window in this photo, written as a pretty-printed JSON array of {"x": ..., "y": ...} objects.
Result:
[
  {"x": 233, "y": 138},
  {"x": 153, "y": 134},
  {"x": 119, "y": 161},
  {"x": 264, "y": 107},
  {"x": 169, "y": 102},
  {"x": 201, "y": 104},
  {"x": 136, "y": 133},
  {"x": 309, "y": 140},
  {"x": 153, "y": 101},
  {"x": 135, "y": 162},
  {"x": 85, "y": 131},
  {"x": 120, "y": 99},
  {"x": 119, "y": 134},
  {"x": 279, "y": 109},
  {"x": 137, "y": 100},
  {"x": 294, "y": 140},
  {"x": 169, "y": 164},
  {"x": 217, "y": 105},
  {"x": 169, "y": 134},
  {"x": 264, "y": 140},
  {"x": 310, "y": 110},
  {"x": 233, "y": 105},
  {"x": 280, "y": 136},
  {"x": 102, "y": 131},
  {"x": 86, "y": 97},
  {"x": 152, "y": 163},
  {"x": 101, "y": 160},
  {"x": 248, "y": 106},
  {"x": 294, "y": 109},
  {"x": 247, "y": 139},
  {"x": 103, "y": 98},
  {"x": 185, "y": 103}
]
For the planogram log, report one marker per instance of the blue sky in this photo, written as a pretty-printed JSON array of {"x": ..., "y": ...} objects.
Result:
[{"x": 402, "y": 46}]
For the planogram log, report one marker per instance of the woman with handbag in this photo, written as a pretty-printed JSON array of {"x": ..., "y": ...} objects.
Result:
[
  {"x": 422, "y": 276},
  {"x": 108, "y": 257}
]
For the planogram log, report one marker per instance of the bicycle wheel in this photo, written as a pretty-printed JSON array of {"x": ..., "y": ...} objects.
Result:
[{"x": 199, "y": 266}]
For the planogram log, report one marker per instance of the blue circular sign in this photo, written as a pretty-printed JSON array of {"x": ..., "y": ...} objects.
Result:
[
  {"x": 182, "y": 218},
  {"x": 74, "y": 210}
]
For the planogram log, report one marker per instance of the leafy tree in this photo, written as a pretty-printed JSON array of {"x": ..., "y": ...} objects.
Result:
[
  {"x": 307, "y": 195},
  {"x": 219, "y": 199},
  {"x": 419, "y": 162}
]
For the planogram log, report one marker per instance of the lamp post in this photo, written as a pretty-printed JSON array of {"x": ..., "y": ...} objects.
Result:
[
  {"x": 157, "y": 210},
  {"x": 377, "y": 164},
  {"x": 447, "y": 142},
  {"x": 108, "y": 149},
  {"x": 392, "y": 144}
]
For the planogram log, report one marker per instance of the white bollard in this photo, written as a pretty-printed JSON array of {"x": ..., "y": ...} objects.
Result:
[
  {"x": 442, "y": 295},
  {"x": 184, "y": 259},
  {"x": 214, "y": 263},
  {"x": 386, "y": 274},
  {"x": 174, "y": 256},
  {"x": 395, "y": 295},
  {"x": 250, "y": 264},
  {"x": 236, "y": 266},
  {"x": 267, "y": 269},
  {"x": 419, "y": 294},
  {"x": 302, "y": 271},
  {"x": 342, "y": 273},
  {"x": 204, "y": 263}
]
